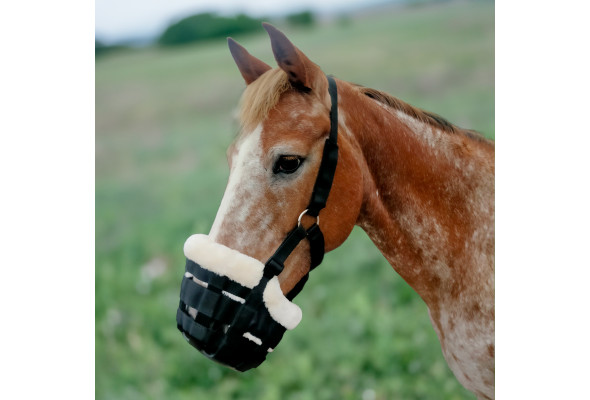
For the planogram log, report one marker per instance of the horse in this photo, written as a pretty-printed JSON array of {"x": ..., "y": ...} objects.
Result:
[{"x": 420, "y": 187}]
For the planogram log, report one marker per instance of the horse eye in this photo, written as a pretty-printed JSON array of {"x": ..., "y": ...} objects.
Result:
[{"x": 287, "y": 164}]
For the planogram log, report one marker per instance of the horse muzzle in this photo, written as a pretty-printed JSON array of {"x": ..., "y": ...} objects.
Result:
[{"x": 231, "y": 307}]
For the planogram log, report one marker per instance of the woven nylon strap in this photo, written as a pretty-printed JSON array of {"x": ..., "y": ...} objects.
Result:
[
  {"x": 319, "y": 197},
  {"x": 325, "y": 177}
]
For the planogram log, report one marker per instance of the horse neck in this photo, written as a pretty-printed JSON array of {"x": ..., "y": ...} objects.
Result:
[{"x": 428, "y": 198}]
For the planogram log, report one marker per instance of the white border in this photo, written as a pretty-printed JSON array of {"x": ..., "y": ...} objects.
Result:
[
  {"x": 543, "y": 200},
  {"x": 47, "y": 199}
]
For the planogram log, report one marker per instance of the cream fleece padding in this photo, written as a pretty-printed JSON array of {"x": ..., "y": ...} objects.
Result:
[
  {"x": 222, "y": 260},
  {"x": 245, "y": 270},
  {"x": 280, "y": 308}
]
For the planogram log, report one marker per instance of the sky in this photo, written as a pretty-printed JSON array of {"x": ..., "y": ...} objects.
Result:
[{"x": 123, "y": 19}]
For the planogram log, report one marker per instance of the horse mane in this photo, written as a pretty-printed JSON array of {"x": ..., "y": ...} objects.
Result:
[
  {"x": 264, "y": 93},
  {"x": 418, "y": 114}
]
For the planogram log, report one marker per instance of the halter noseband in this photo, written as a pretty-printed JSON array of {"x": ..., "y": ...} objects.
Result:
[{"x": 235, "y": 322}]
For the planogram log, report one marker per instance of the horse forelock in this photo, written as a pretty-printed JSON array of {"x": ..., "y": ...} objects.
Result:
[{"x": 261, "y": 96}]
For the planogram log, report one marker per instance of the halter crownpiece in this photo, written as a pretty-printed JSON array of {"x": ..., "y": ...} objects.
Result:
[{"x": 231, "y": 306}]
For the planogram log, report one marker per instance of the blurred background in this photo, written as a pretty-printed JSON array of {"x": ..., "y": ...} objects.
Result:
[{"x": 166, "y": 92}]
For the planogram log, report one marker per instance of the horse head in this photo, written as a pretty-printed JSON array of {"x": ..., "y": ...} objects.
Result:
[
  {"x": 274, "y": 161},
  {"x": 288, "y": 171}
]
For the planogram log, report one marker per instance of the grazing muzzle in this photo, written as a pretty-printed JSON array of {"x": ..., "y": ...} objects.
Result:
[
  {"x": 230, "y": 310},
  {"x": 231, "y": 306}
]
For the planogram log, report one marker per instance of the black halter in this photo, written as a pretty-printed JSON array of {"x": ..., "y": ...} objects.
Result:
[
  {"x": 319, "y": 197},
  {"x": 218, "y": 328}
]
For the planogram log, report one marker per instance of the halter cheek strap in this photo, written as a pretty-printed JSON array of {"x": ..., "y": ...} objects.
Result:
[
  {"x": 325, "y": 177},
  {"x": 319, "y": 197}
]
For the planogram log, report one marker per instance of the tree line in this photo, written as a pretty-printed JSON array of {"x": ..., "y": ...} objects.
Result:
[{"x": 207, "y": 26}]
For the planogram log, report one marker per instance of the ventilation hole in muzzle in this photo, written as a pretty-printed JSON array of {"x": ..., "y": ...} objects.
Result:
[
  {"x": 197, "y": 281},
  {"x": 233, "y": 297},
  {"x": 192, "y": 312},
  {"x": 253, "y": 338},
  {"x": 206, "y": 285}
]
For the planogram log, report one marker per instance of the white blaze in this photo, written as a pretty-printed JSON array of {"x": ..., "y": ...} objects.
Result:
[{"x": 244, "y": 180}]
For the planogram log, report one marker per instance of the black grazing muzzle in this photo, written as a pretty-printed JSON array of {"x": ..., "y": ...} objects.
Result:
[{"x": 231, "y": 306}]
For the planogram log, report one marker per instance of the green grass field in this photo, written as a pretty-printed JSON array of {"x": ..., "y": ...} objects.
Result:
[{"x": 163, "y": 122}]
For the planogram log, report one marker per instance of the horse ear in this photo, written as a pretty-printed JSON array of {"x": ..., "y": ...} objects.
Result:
[
  {"x": 250, "y": 67},
  {"x": 301, "y": 70}
]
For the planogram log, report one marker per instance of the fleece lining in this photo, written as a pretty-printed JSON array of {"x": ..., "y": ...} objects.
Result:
[
  {"x": 280, "y": 308},
  {"x": 246, "y": 271},
  {"x": 222, "y": 260}
]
